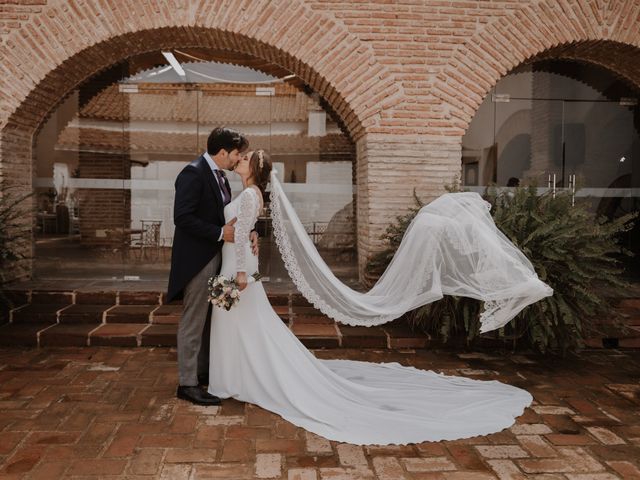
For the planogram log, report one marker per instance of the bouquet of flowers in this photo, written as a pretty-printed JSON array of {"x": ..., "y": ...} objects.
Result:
[{"x": 224, "y": 292}]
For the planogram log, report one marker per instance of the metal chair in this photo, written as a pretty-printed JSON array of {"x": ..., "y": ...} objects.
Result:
[
  {"x": 315, "y": 230},
  {"x": 148, "y": 242}
]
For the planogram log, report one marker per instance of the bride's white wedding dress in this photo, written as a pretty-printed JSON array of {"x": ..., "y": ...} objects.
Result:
[{"x": 255, "y": 358}]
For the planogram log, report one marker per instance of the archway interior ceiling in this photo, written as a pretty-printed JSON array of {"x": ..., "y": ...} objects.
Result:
[
  {"x": 621, "y": 59},
  {"x": 146, "y": 61},
  {"x": 153, "y": 59},
  {"x": 34, "y": 110}
]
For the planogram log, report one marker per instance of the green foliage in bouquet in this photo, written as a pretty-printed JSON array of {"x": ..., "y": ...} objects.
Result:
[{"x": 572, "y": 250}]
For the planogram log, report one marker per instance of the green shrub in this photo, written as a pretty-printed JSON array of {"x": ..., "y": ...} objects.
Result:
[
  {"x": 572, "y": 250},
  {"x": 13, "y": 237}
]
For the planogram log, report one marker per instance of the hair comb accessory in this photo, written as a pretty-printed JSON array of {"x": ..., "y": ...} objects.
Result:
[{"x": 260, "y": 158}]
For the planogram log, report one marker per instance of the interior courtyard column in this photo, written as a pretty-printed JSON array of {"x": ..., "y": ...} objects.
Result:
[
  {"x": 389, "y": 168},
  {"x": 16, "y": 171}
]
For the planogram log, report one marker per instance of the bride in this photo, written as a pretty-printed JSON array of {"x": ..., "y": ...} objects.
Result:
[{"x": 452, "y": 247}]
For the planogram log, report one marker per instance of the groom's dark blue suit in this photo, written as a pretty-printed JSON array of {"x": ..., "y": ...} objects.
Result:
[{"x": 198, "y": 215}]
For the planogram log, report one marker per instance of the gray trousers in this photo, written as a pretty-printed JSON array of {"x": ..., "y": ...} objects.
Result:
[{"x": 195, "y": 325}]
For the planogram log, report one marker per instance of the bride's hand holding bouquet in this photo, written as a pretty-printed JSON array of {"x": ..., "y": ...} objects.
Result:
[
  {"x": 225, "y": 292},
  {"x": 241, "y": 280}
]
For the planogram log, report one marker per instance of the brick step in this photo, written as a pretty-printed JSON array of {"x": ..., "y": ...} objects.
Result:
[
  {"x": 631, "y": 331},
  {"x": 46, "y": 334},
  {"x": 166, "y": 314},
  {"x": 298, "y": 300},
  {"x": 283, "y": 312},
  {"x": 312, "y": 319},
  {"x": 67, "y": 334},
  {"x": 97, "y": 298},
  {"x": 130, "y": 313},
  {"x": 140, "y": 298},
  {"x": 83, "y": 313},
  {"x": 629, "y": 303},
  {"x": 615, "y": 327},
  {"x": 110, "y": 297},
  {"x": 616, "y": 338},
  {"x": 88, "y": 313},
  {"x": 373, "y": 337},
  {"x": 117, "y": 335},
  {"x": 37, "y": 313},
  {"x": 613, "y": 342},
  {"x": 630, "y": 318},
  {"x": 48, "y": 297},
  {"x": 163, "y": 335},
  {"x": 305, "y": 310},
  {"x": 317, "y": 336},
  {"x": 17, "y": 297},
  {"x": 142, "y": 318},
  {"x": 85, "y": 334},
  {"x": 278, "y": 299},
  {"x": 21, "y": 335}
]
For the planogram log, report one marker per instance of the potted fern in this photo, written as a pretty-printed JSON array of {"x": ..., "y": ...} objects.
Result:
[
  {"x": 14, "y": 238},
  {"x": 571, "y": 249}
]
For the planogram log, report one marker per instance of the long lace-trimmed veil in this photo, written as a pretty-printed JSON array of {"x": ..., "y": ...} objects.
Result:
[{"x": 452, "y": 247}]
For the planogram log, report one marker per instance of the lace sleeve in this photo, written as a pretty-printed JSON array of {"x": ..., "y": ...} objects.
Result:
[{"x": 247, "y": 216}]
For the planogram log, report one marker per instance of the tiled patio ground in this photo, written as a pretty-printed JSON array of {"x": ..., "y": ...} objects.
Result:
[{"x": 105, "y": 412}]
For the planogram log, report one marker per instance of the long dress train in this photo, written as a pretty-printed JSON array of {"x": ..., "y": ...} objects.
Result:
[{"x": 256, "y": 358}]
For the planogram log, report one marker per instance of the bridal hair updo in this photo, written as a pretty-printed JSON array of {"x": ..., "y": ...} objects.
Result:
[{"x": 260, "y": 167}]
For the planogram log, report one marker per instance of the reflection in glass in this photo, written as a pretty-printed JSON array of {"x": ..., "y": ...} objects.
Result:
[
  {"x": 551, "y": 121},
  {"x": 107, "y": 159}
]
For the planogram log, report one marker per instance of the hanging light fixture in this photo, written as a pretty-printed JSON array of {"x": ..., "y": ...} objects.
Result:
[{"x": 174, "y": 63}]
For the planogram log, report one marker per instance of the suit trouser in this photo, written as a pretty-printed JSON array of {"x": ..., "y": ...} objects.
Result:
[{"x": 194, "y": 327}]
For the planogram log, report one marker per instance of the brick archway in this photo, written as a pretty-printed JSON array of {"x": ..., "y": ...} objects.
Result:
[
  {"x": 559, "y": 29},
  {"x": 57, "y": 83},
  {"x": 405, "y": 79},
  {"x": 315, "y": 47}
]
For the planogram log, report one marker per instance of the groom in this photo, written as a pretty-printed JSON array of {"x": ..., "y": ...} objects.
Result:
[{"x": 202, "y": 192}]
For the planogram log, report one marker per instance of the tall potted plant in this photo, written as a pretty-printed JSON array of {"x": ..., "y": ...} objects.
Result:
[
  {"x": 14, "y": 238},
  {"x": 571, "y": 249}
]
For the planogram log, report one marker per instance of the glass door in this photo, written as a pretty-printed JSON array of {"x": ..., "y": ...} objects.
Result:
[
  {"x": 162, "y": 127},
  {"x": 108, "y": 157},
  {"x": 80, "y": 172}
]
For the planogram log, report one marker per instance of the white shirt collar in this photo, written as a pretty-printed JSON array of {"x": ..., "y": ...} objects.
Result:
[{"x": 210, "y": 161}]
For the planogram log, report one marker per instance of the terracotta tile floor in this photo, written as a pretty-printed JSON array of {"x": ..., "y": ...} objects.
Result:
[{"x": 101, "y": 412}]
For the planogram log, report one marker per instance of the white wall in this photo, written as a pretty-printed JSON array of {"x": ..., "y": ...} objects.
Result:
[{"x": 328, "y": 189}]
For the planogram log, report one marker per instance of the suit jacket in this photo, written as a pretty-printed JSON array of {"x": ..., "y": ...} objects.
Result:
[{"x": 198, "y": 215}]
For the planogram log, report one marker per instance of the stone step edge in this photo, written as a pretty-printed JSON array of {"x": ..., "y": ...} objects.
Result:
[
  {"x": 312, "y": 341},
  {"x": 71, "y": 297},
  {"x": 289, "y": 316},
  {"x": 390, "y": 341}
]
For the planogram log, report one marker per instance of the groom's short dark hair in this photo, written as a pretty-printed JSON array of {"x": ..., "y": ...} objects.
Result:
[{"x": 226, "y": 138}]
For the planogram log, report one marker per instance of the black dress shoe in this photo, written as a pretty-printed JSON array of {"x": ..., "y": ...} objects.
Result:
[
  {"x": 203, "y": 379},
  {"x": 197, "y": 395}
]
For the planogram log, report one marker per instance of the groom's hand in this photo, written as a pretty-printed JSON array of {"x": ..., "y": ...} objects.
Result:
[
  {"x": 255, "y": 249},
  {"x": 229, "y": 231}
]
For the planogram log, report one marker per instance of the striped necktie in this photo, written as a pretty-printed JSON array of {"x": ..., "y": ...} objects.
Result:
[{"x": 224, "y": 186}]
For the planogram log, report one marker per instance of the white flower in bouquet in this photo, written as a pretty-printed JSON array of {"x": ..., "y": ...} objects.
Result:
[{"x": 224, "y": 292}]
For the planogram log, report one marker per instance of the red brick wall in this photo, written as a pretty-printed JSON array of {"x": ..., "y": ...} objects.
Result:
[
  {"x": 405, "y": 76},
  {"x": 105, "y": 212}
]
